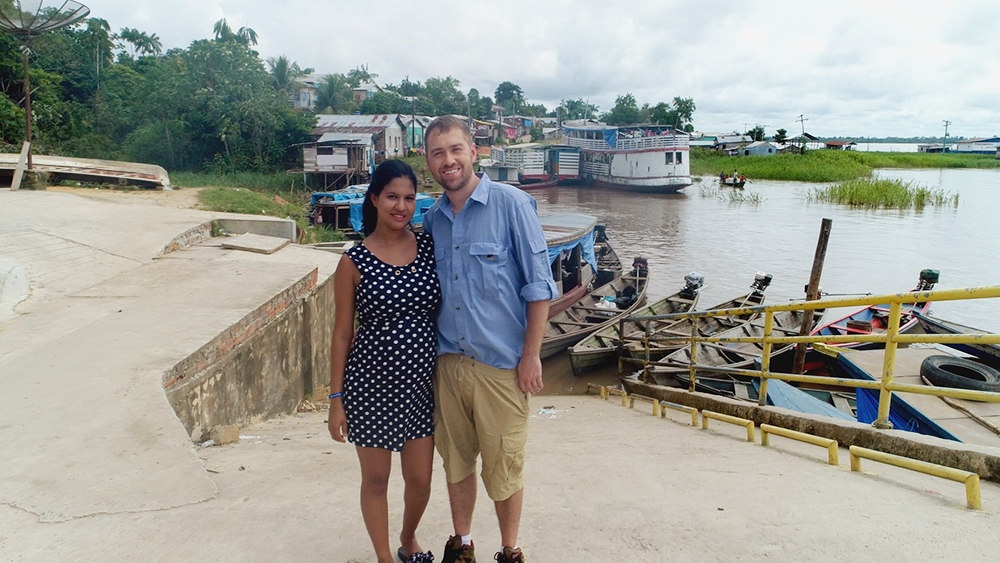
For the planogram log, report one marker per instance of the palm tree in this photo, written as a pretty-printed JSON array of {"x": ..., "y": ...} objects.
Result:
[
  {"x": 245, "y": 36},
  {"x": 333, "y": 94},
  {"x": 132, "y": 37},
  {"x": 286, "y": 73},
  {"x": 100, "y": 41},
  {"x": 222, "y": 31},
  {"x": 149, "y": 44}
]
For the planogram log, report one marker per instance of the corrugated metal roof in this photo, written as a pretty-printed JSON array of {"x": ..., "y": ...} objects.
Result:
[
  {"x": 328, "y": 123},
  {"x": 358, "y": 137}
]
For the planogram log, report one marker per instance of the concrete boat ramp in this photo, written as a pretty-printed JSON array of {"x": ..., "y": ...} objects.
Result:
[{"x": 139, "y": 335}]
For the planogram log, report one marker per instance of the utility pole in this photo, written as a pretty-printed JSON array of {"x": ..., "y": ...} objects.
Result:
[
  {"x": 944, "y": 143},
  {"x": 803, "y": 120}
]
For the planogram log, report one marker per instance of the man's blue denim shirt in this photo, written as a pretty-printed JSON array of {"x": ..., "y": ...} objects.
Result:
[{"x": 491, "y": 259}]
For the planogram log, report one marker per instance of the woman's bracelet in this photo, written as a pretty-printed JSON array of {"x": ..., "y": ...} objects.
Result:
[{"x": 332, "y": 396}]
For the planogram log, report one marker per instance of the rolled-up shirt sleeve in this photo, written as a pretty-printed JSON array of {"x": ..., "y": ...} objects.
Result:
[{"x": 532, "y": 255}]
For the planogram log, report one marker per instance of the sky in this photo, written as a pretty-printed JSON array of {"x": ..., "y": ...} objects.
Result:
[{"x": 872, "y": 68}]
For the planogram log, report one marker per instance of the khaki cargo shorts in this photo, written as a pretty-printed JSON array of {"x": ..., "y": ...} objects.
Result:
[{"x": 480, "y": 410}]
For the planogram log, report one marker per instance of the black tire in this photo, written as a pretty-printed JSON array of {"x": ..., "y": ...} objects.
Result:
[{"x": 949, "y": 371}]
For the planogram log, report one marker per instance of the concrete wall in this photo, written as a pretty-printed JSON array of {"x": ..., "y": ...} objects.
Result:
[
  {"x": 267, "y": 226},
  {"x": 262, "y": 367}
]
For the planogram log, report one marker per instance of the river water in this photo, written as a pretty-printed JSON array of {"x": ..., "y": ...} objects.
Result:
[{"x": 870, "y": 251}]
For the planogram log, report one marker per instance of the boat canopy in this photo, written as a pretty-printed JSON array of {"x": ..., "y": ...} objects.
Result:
[{"x": 565, "y": 232}]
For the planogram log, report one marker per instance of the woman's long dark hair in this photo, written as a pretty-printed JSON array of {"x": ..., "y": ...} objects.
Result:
[{"x": 385, "y": 173}]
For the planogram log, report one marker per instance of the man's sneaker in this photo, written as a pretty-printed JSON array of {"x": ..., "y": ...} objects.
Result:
[
  {"x": 509, "y": 555},
  {"x": 455, "y": 552}
]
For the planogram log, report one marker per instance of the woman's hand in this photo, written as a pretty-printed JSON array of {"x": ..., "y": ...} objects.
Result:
[{"x": 337, "y": 421}]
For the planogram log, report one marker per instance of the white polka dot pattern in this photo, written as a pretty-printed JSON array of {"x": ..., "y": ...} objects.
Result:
[{"x": 388, "y": 383}]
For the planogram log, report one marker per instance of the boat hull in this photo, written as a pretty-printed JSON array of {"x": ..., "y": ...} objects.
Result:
[{"x": 643, "y": 185}]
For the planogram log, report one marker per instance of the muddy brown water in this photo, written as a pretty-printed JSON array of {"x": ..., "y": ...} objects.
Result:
[{"x": 870, "y": 251}]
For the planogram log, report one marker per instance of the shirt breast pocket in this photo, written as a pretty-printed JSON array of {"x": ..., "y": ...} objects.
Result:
[{"x": 492, "y": 259}]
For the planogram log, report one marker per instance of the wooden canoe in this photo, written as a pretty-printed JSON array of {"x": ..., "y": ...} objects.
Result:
[
  {"x": 584, "y": 317},
  {"x": 735, "y": 355},
  {"x": 988, "y": 353},
  {"x": 602, "y": 346},
  {"x": 668, "y": 336}
]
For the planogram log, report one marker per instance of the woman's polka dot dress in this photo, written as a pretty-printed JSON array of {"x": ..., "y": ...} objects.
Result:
[{"x": 388, "y": 383}]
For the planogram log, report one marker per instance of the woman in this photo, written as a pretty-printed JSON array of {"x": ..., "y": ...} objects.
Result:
[{"x": 381, "y": 388}]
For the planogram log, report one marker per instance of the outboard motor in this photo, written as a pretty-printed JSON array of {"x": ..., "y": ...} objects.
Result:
[
  {"x": 760, "y": 283},
  {"x": 600, "y": 234},
  {"x": 927, "y": 280},
  {"x": 692, "y": 283},
  {"x": 640, "y": 267}
]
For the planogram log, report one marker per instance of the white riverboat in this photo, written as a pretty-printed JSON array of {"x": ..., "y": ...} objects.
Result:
[{"x": 635, "y": 158}]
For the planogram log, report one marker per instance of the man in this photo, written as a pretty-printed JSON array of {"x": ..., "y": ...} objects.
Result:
[{"x": 496, "y": 284}]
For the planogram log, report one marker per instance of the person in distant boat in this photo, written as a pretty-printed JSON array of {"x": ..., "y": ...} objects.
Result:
[
  {"x": 381, "y": 378},
  {"x": 492, "y": 261}
]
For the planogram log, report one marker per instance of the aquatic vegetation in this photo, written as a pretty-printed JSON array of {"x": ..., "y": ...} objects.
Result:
[
  {"x": 878, "y": 193},
  {"x": 823, "y": 165},
  {"x": 730, "y": 195},
  {"x": 740, "y": 196}
]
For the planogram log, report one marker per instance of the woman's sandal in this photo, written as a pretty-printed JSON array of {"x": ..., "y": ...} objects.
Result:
[{"x": 422, "y": 557}]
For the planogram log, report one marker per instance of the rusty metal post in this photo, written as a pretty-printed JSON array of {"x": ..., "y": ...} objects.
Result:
[{"x": 812, "y": 293}]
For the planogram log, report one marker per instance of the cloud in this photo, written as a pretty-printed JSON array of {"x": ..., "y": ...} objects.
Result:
[{"x": 853, "y": 67}]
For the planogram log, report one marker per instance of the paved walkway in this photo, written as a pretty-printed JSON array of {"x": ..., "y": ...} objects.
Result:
[{"x": 605, "y": 483}]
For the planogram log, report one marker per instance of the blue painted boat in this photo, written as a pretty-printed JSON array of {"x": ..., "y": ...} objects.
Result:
[
  {"x": 874, "y": 319},
  {"x": 902, "y": 414}
]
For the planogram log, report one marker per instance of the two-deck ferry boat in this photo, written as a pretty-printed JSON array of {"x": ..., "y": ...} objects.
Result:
[{"x": 635, "y": 158}]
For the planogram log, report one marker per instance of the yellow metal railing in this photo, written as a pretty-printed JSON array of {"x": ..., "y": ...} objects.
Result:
[{"x": 891, "y": 338}]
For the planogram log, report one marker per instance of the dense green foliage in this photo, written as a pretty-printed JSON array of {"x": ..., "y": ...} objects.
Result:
[
  {"x": 678, "y": 113},
  {"x": 827, "y": 165},
  {"x": 878, "y": 193},
  {"x": 212, "y": 106}
]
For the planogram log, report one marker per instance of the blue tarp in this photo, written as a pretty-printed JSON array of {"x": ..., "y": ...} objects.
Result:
[
  {"x": 611, "y": 137},
  {"x": 781, "y": 394},
  {"x": 587, "y": 243}
]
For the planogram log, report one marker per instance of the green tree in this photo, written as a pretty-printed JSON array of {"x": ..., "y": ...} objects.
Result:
[
  {"x": 625, "y": 112},
  {"x": 286, "y": 74},
  {"x": 360, "y": 75},
  {"x": 334, "y": 95},
  {"x": 384, "y": 102},
  {"x": 441, "y": 96},
  {"x": 756, "y": 134},
  {"x": 577, "y": 109},
  {"x": 509, "y": 96},
  {"x": 245, "y": 35},
  {"x": 781, "y": 136}
]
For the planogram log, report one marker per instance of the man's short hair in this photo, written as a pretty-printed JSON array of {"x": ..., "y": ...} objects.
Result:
[{"x": 446, "y": 123}]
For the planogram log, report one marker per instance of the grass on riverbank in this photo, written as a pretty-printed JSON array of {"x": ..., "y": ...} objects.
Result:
[
  {"x": 252, "y": 202},
  {"x": 824, "y": 165},
  {"x": 878, "y": 193}
]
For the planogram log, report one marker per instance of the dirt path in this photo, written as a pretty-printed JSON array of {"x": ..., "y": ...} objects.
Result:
[{"x": 180, "y": 198}]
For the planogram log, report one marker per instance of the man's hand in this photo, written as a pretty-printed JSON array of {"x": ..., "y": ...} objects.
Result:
[
  {"x": 337, "y": 422},
  {"x": 529, "y": 374}
]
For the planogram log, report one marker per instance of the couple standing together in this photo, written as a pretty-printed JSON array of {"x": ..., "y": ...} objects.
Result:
[{"x": 448, "y": 343}]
